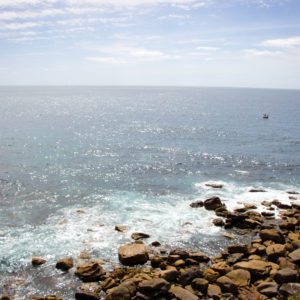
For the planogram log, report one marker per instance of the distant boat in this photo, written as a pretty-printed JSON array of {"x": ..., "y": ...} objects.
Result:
[{"x": 265, "y": 116}]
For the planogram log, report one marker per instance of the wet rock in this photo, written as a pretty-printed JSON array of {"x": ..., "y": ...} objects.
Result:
[
  {"x": 181, "y": 253},
  {"x": 286, "y": 275},
  {"x": 154, "y": 287},
  {"x": 238, "y": 248},
  {"x": 182, "y": 294},
  {"x": 37, "y": 261},
  {"x": 226, "y": 285},
  {"x": 292, "y": 193},
  {"x": 234, "y": 258},
  {"x": 267, "y": 214},
  {"x": 212, "y": 203},
  {"x": 88, "y": 291},
  {"x": 269, "y": 289},
  {"x": 289, "y": 224},
  {"x": 214, "y": 185},
  {"x": 90, "y": 271},
  {"x": 121, "y": 228},
  {"x": 155, "y": 244},
  {"x": 239, "y": 277},
  {"x": 65, "y": 264},
  {"x": 197, "y": 204},
  {"x": 275, "y": 251},
  {"x": 218, "y": 222},
  {"x": 249, "y": 293},
  {"x": 214, "y": 291},
  {"x": 272, "y": 235},
  {"x": 199, "y": 257},
  {"x": 290, "y": 289},
  {"x": 295, "y": 256},
  {"x": 257, "y": 268},
  {"x": 108, "y": 284},
  {"x": 169, "y": 275},
  {"x": 210, "y": 275},
  {"x": 133, "y": 254},
  {"x": 156, "y": 261},
  {"x": 189, "y": 275},
  {"x": 200, "y": 284},
  {"x": 221, "y": 267},
  {"x": 124, "y": 291},
  {"x": 257, "y": 190},
  {"x": 53, "y": 297},
  {"x": 139, "y": 235}
]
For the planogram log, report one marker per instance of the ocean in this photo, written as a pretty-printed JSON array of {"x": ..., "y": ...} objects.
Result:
[{"x": 76, "y": 161}]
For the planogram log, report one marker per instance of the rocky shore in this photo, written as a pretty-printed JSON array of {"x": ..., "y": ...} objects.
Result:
[{"x": 266, "y": 268}]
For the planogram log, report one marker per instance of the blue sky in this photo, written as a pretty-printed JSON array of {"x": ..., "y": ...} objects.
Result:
[{"x": 236, "y": 43}]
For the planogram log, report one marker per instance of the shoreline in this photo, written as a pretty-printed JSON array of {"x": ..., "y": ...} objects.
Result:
[{"x": 265, "y": 268}]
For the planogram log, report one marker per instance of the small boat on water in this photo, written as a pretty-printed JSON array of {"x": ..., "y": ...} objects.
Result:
[{"x": 265, "y": 116}]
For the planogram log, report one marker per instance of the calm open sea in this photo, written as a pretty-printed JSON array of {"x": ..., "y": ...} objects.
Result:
[{"x": 76, "y": 161}]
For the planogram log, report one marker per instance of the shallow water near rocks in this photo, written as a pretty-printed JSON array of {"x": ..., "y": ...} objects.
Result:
[{"x": 76, "y": 161}]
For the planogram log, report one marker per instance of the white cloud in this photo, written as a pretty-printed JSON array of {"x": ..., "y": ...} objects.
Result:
[
  {"x": 255, "y": 52},
  {"x": 204, "y": 48},
  {"x": 106, "y": 59},
  {"x": 16, "y": 3},
  {"x": 174, "y": 17},
  {"x": 20, "y": 26},
  {"x": 282, "y": 43}
]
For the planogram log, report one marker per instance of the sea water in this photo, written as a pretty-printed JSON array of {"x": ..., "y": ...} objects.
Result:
[{"x": 76, "y": 161}]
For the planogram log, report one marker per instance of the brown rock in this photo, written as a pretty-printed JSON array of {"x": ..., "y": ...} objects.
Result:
[
  {"x": 214, "y": 185},
  {"x": 257, "y": 268},
  {"x": 121, "y": 292},
  {"x": 218, "y": 222},
  {"x": 239, "y": 277},
  {"x": 257, "y": 191},
  {"x": 290, "y": 289},
  {"x": 295, "y": 256},
  {"x": 139, "y": 235},
  {"x": 154, "y": 287},
  {"x": 197, "y": 204},
  {"x": 212, "y": 203},
  {"x": 169, "y": 275},
  {"x": 239, "y": 248},
  {"x": 182, "y": 294},
  {"x": 90, "y": 271},
  {"x": 88, "y": 291},
  {"x": 121, "y": 228},
  {"x": 273, "y": 235},
  {"x": 275, "y": 251},
  {"x": 53, "y": 297},
  {"x": 269, "y": 289},
  {"x": 210, "y": 275},
  {"x": 108, "y": 284},
  {"x": 285, "y": 276},
  {"x": 189, "y": 275},
  {"x": 37, "y": 261},
  {"x": 200, "y": 284},
  {"x": 199, "y": 257},
  {"x": 65, "y": 264},
  {"x": 133, "y": 254},
  {"x": 249, "y": 293},
  {"x": 221, "y": 267},
  {"x": 214, "y": 291}
]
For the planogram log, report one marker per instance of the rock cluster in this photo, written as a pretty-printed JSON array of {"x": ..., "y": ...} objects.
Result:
[{"x": 266, "y": 268}]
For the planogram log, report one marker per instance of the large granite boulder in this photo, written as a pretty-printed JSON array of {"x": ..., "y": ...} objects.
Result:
[
  {"x": 90, "y": 271},
  {"x": 133, "y": 254},
  {"x": 212, "y": 203}
]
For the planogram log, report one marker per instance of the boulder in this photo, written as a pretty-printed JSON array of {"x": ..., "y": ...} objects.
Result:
[
  {"x": 182, "y": 294},
  {"x": 200, "y": 284},
  {"x": 239, "y": 277},
  {"x": 37, "y": 261},
  {"x": 124, "y": 291},
  {"x": 249, "y": 293},
  {"x": 187, "y": 276},
  {"x": 90, "y": 271},
  {"x": 272, "y": 235},
  {"x": 121, "y": 228},
  {"x": 65, "y": 264},
  {"x": 221, "y": 267},
  {"x": 108, "y": 284},
  {"x": 154, "y": 287},
  {"x": 210, "y": 275},
  {"x": 226, "y": 285},
  {"x": 212, "y": 203},
  {"x": 269, "y": 289},
  {"x": 218, "y": 222},
  {"x": 257, "y": 268},
  {"x": 197, "y": 204},
  {"x": 133, "y": 254},
  {"x": 139, "y": 235},
  {"x": 290, "y": 289},
  {"x": 199, "y": 257},
  {"x": 275, "y": 251},
  {"x": 169, "y": 275},
  {"x": 295, "y": 256},
  {"x": 214, "y": 291},
  {"x": 285, "y": 275},
  {"x": 239, "y": 248},
  {"x": 214, "y": 185},
  {"x": 88, "y": 291}
]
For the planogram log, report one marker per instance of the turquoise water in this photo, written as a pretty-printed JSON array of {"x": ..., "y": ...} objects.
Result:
[{"x": 134, "y": 156}]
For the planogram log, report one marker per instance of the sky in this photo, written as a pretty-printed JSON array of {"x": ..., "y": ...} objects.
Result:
[{"x": 231, "y": 43}]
